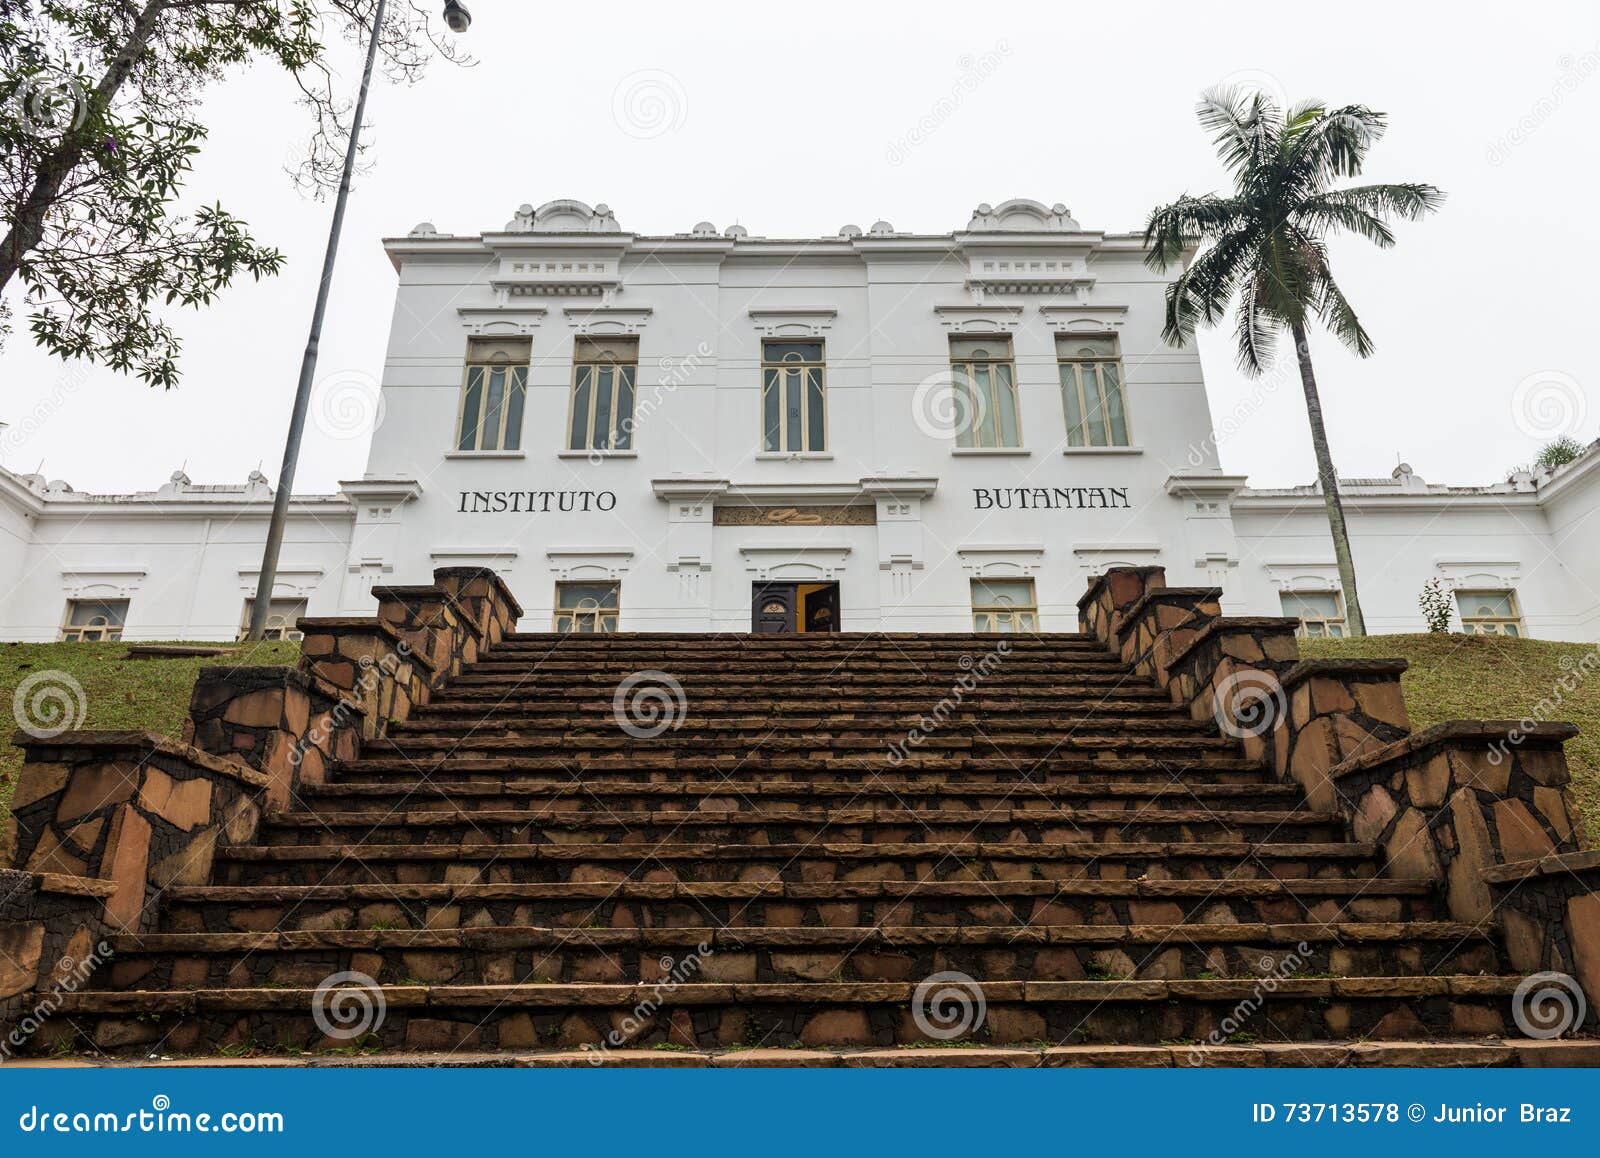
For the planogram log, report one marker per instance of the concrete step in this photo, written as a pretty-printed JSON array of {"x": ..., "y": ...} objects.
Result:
[
  {"x": 626, "y": 903},
  {"x": 797, "y": 826},
  {"x": 705, "y": 1015},
  {"x": 817, "y": 860},
  {"x": 874, "y": 953}
]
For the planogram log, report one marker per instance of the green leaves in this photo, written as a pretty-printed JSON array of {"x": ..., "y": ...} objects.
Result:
[{"x": 1264, "y": 247}]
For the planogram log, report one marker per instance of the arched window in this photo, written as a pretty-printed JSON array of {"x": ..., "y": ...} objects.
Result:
[
  {"x": 984, "y": 380},
  {"x": 794, "y": 417},
  {"x": 604, "y": 371},
  {"x": 1091, "y": 390},
  {"x": 492, "y": 394}
]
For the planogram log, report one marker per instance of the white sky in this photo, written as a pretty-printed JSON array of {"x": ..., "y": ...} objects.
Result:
[{"x": 784, "y": 120}]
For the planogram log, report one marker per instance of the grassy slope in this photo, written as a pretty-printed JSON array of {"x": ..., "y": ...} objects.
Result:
[
  {"x": 149, "y": 694},
  {"x": 1464, "y": 677}
]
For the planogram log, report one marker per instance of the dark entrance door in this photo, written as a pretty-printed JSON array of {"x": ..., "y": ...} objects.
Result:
[
  {"x": 773, "y": 612},
  {"x": 779, "y": 608}
]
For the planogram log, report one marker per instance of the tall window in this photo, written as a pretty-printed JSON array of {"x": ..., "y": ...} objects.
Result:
[
  {"x": 94, "y": 619},
  {"x": 1321, "y": 613},
  {"x": 1004, "y": 606},
  {"x": 1489, "y": 613},
  {"x": 793, "y": 408},
  {"x": 603, "y": 374},
  {"x": 283, "y": 619},
  {"x": 493, "y": 393},
  {"x": 1091, "y": 390},
  {"x": 586, "y": 608},
  {"x": 986, "y": 392}
]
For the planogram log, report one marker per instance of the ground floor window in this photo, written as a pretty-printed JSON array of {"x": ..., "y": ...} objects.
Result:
[
  {"x": 1321, "y": 613},
  {"x": 92, "y": 619},
  {"x": 1004, "y": 606},
  {"x": 1489, "y": 613},
  {"x": 283, "y": 618},
  {"x": 586, "y": 608}
]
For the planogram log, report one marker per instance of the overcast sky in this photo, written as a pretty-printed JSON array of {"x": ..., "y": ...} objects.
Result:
[{"x": 794, "y": 121}]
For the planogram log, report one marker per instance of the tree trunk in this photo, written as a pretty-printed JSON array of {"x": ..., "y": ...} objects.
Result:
[
  {"x": 27, "y": 229},
  {"x": 1329, "y": 479}
]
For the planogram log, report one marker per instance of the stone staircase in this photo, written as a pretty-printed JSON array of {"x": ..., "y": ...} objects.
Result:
[{"x": 843, "y": 849}]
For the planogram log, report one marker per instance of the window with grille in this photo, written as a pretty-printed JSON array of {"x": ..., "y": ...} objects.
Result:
[
  {"x": 794, "y": 417},
  {"x": 984, "y": 380},
  {"x": 1004, "y": 606},
  {"x": 604, "y": 371},
  {"x": 94, "y": 619},
  {"x": 1321, "y": 613},
  {"x": 283, "y": 619},
  {"x": 1489, "y": 613},
  {"x": 1091, "y": 390},
  {"x": 492, "y": 394},
  {"x": 586, "y": 608}
]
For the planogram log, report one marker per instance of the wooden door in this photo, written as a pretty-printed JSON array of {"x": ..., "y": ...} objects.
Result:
[
  {"x": 772, "y": 611},
  {"x": 822, "y": 608}
]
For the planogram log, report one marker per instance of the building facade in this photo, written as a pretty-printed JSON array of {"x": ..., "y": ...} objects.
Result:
[{"x": 711, "y": 431}]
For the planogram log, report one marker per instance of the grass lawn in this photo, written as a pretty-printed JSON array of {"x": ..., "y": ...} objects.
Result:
[
  {"x": 1465, "y": 677},
  {"x": 147, "y": 694}
]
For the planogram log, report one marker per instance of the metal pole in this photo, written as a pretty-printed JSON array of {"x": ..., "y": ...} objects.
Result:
[{"x": 308, "y": 362}]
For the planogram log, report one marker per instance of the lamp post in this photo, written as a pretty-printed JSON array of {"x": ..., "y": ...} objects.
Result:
[{"x": 457, "y": 19}]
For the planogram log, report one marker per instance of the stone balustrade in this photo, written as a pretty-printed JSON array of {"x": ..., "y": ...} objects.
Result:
[
  {"x": 1332, "y": 711},
  {"x": 1550, "y": 911},
  {"x": 52, "y": 939}
]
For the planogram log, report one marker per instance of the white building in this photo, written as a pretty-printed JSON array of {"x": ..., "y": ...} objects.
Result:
[{"x": 872, "y": 431}]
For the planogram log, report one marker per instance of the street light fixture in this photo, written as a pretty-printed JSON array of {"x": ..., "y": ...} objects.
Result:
[{"x": 457, "y": 19}]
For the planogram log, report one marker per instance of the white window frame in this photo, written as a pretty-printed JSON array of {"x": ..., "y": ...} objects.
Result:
[
  {"x": 280, "y": 625},
  {"x": 1086, "y": 378},
  {"x": 1340, "y": 620},
  {"x": 565, "y": 621},
  {"x": 1024, "y": 618},
  {"x": 987, "y": 433},
  {"x": 791, "y": 374},
  {"x": 1491, "y": 624},
  {"x": 487, "y": 356},
  {"x": 93, "y": 631},
  {"x": 618, "y": 426}
]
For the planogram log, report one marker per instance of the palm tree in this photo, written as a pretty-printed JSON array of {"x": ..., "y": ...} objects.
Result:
[{"x": 1266, "y": 245}]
